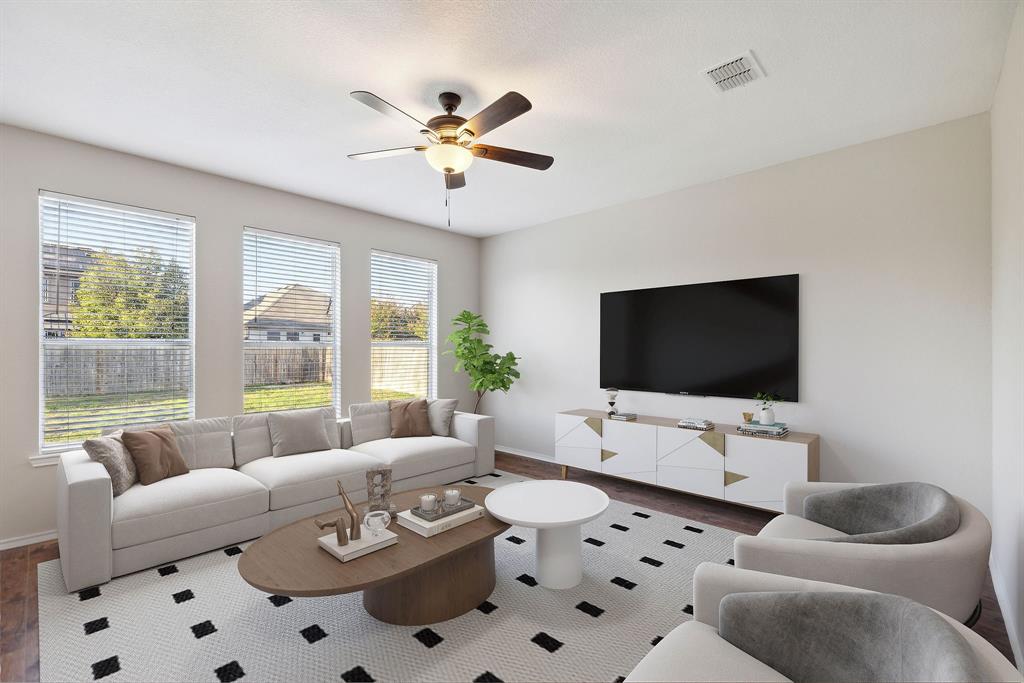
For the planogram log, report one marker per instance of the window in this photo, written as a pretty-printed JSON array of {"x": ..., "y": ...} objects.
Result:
[
  {"x": 403, "y": 327},
  {"x": 116, "y": 317},
  {"x": 290, "y": 284}
]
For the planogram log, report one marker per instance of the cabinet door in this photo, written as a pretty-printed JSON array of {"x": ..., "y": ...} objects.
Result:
[
  {"x": 692, "y": 480},
  {"x": 578, "y": 441},
  {"x": 756, "y": 470},
  {"x": 628, "y": 448},
  {"x": 690, "y": 448}
]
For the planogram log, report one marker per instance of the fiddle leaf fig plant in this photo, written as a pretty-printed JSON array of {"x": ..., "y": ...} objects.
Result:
[{"x": 488, "y": 371}]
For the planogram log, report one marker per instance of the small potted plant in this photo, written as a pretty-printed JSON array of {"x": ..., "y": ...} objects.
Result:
[{"x": 766, "y": 410}]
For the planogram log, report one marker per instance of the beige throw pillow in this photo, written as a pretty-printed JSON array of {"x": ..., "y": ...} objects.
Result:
[
  {"x": 155, "y": 453},
  {"x": 110, "y": 452},
  {"x": 409, "y": 418},
  {"x": 298, "y": 431},
  {"x": 440, "y": 411}
]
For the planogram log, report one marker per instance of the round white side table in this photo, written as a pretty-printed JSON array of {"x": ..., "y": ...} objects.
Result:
[{"x": 557, "y": 510}]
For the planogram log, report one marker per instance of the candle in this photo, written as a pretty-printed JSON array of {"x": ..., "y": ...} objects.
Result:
[
  {"x": 452, "y": 497},
  {"x": 428, "y": 502}
]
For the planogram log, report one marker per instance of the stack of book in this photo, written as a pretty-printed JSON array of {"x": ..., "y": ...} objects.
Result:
[
  {"x": 623, "y": 417},
  {"x": 428, "y": 529},
  {"x": 773, "y": 431},
  {"x": 696, "y": 423}
]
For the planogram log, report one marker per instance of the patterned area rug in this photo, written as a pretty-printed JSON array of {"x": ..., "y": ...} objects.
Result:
[{"x": 197, "y": 620}]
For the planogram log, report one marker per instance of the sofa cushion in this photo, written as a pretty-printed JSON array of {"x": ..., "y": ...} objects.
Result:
[
  {"x": 370, "y": 421},
  {"x": 110, "y": 452},
  {"x": 440, "y": 412},
  {"x": 155, "y": 453},
  {"x": 695, "y": 652},
  {"x": 792, "y": 526},
  {"x": 204, "y": 442},
  {"x": 201, "y": 499},
  {"x": 298, "y": 431},
  {"x": 308, "y": 477},
  {"x": 415, "y": 455},
  {"x": 251, "y": 436},
  {"x": 409, "y": 418}
]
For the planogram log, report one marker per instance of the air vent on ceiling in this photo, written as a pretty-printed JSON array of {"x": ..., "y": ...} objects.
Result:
[{"x": 735, "y": 72}]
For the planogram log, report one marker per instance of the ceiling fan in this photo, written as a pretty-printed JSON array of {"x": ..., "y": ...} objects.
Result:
[{"x": 453, "y": 139}]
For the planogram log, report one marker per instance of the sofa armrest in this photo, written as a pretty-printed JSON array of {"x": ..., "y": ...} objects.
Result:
[
  {"x": 84, "y": 516},
  {"x": 712, "y": 582},
  {"x": 795, "y": 491},
  {"x": 345, "y": 427},
  {"x": 477, "y": 430}
]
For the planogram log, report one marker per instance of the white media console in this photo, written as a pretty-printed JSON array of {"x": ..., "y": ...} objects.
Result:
[{"x": 722, "y": 464}]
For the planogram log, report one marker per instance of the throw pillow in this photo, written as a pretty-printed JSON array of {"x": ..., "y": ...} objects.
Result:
[
  {"x": 370, "y": 421},
  {"x": 409, "y": 418},
  {"x": 110, "y": 452},
  {"x": 155, "y": 453},
  {"x": 440, "y": 411},
  {"x": 298, "y": 431}
]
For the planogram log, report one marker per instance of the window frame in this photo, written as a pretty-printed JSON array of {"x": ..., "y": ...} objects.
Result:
[
  {"x": 50, "y": 454},
  {"x": 431, "y": 343}
]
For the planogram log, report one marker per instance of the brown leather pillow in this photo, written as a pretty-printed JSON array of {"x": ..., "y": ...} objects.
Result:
[
  {"x": 155, "y": 454},
  {"x": 409, "y": 418}
]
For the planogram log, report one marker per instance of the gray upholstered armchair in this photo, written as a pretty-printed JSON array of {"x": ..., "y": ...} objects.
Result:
[
  {"x": 751, "y": 626},
  {"x": 912, "y": 539}
]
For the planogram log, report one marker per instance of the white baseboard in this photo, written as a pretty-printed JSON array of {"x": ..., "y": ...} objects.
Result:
[
  {"x": 525, "y": 454},
  {"x": 1012, "y": 627},
  {"x": 18, "y": 541}
]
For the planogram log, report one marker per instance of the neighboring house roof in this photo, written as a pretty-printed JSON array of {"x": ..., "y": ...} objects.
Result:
[{"x": 291, "y": 306}]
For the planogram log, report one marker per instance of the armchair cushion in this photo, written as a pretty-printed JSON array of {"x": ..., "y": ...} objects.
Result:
[
  {"x": 791, "y": 526},
  {"x": 905, "y": 513},
  {"x": 847, "y": 637}
]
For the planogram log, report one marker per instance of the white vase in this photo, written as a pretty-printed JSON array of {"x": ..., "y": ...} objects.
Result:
[{"x": 767, "y": 416}]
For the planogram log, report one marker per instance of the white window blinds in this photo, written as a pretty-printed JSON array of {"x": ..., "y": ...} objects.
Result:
[
  {"x": 116, "y": 317},
  {"x": 403, "y": 327},
  {"x": 291, "y": 323}
]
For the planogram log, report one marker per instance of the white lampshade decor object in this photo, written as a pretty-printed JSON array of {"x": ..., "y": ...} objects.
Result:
[{"x": 449, "y": 157}]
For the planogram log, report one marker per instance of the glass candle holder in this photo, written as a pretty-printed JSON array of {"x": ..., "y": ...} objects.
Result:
[
  {"x": 452, "y": 497},
  {"x": 428, "y": 502}
]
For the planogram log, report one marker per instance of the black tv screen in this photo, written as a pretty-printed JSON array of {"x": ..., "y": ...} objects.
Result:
[{"x": 732, "y": 338}]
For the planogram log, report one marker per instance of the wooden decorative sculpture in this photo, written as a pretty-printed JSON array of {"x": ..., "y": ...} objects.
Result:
[
  {"x": 356, "y": 521},
  {"x": 338, "y": 525}
]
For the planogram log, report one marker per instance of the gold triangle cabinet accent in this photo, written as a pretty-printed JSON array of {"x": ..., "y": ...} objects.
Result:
[
  {"x": 732, "y": 477},
  {"x": 596, "y": 424},
  {"x": 716, "y": 440},
  {"x": 606, "y": 454}
]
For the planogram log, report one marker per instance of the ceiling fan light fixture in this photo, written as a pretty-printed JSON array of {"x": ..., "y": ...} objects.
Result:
[{"x": 449, "y": 157}]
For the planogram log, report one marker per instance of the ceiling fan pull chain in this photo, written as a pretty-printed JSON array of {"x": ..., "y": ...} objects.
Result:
[{"x": 448, "y": 203}]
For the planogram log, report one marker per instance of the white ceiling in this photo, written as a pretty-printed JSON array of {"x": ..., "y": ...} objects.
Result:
[{"x": 259, "y": 90}]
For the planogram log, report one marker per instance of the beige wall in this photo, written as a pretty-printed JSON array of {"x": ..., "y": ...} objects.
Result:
[
  {"x": 891, "y": 241},
  {"x": 1008, "y": 337},
  {"x": 31, "y": 161}
]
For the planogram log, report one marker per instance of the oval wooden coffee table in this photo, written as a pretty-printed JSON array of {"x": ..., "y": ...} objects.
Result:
[{"x": 414, "y": 582}]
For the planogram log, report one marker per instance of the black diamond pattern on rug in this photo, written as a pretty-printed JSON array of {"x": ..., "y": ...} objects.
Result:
[
  {"x": 168, "y": 570},
  {"x": 313, "y": 633},
  {"x": 657, "y": 639},
  {"x": 674, "y": 544},
  {"x": 428, "y": 637},
  {"x": 183, "y": 596},
  {"x": 625, "y": 583},
  {"x": 278, "y": 600},
  {"x": 487, "y": 677},
  {"x": 641, "y": 515},
  {"x": 731, "y": 561},
  {"x": 357, "y": 675},
  {"x": 688, "y": 609},
  {"x": 233, "y": 550},
  {"x": 593, "y": 541},
  {"x": 651, "y": 561},
  {"x": 470, "y": 481},
  {"x": 493, "y": 474},
  {"x": 693, "y": 529},
  {"x": 105, "y": 667},
  {"x": 587, "y": 608},
  {"x": 95, "y": 625},
  {"x": 547, "y": 642},
  {"x": 487, "y": 607},
  {"x": 231, "y": 671},
  {"x": 620, "y": 679},
  {"x": 89, "y": 593},
  {"x": 527, "y": 579},
  {"x": 515, "y": 539},
  {"x": 619, "y": 527},
  {"x": 203, "y": 629}
]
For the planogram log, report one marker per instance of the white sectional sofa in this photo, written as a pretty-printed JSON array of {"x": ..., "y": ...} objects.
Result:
[{"x": 236, "y": 490}]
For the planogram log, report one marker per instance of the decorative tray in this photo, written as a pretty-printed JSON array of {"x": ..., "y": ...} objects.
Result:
[{"x": 442, "y": 510}]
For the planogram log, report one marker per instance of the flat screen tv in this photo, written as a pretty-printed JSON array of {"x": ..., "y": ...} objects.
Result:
[{"x": 732, "y": 338}]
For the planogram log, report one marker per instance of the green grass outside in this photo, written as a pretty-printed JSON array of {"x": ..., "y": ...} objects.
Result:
[{"x": 103, "y": 410}]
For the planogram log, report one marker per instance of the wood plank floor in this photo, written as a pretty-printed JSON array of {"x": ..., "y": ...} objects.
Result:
[{"x": 19, "y": 612}]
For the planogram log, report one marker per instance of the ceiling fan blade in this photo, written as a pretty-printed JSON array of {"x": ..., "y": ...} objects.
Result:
[
  {"x": 382, "y": 153},
  {"x": 453, "y": 181},
  {"x": 386, "y": 108},
  {"x": 541, "y": 162},
  {"x": 502, "y": 110}
]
